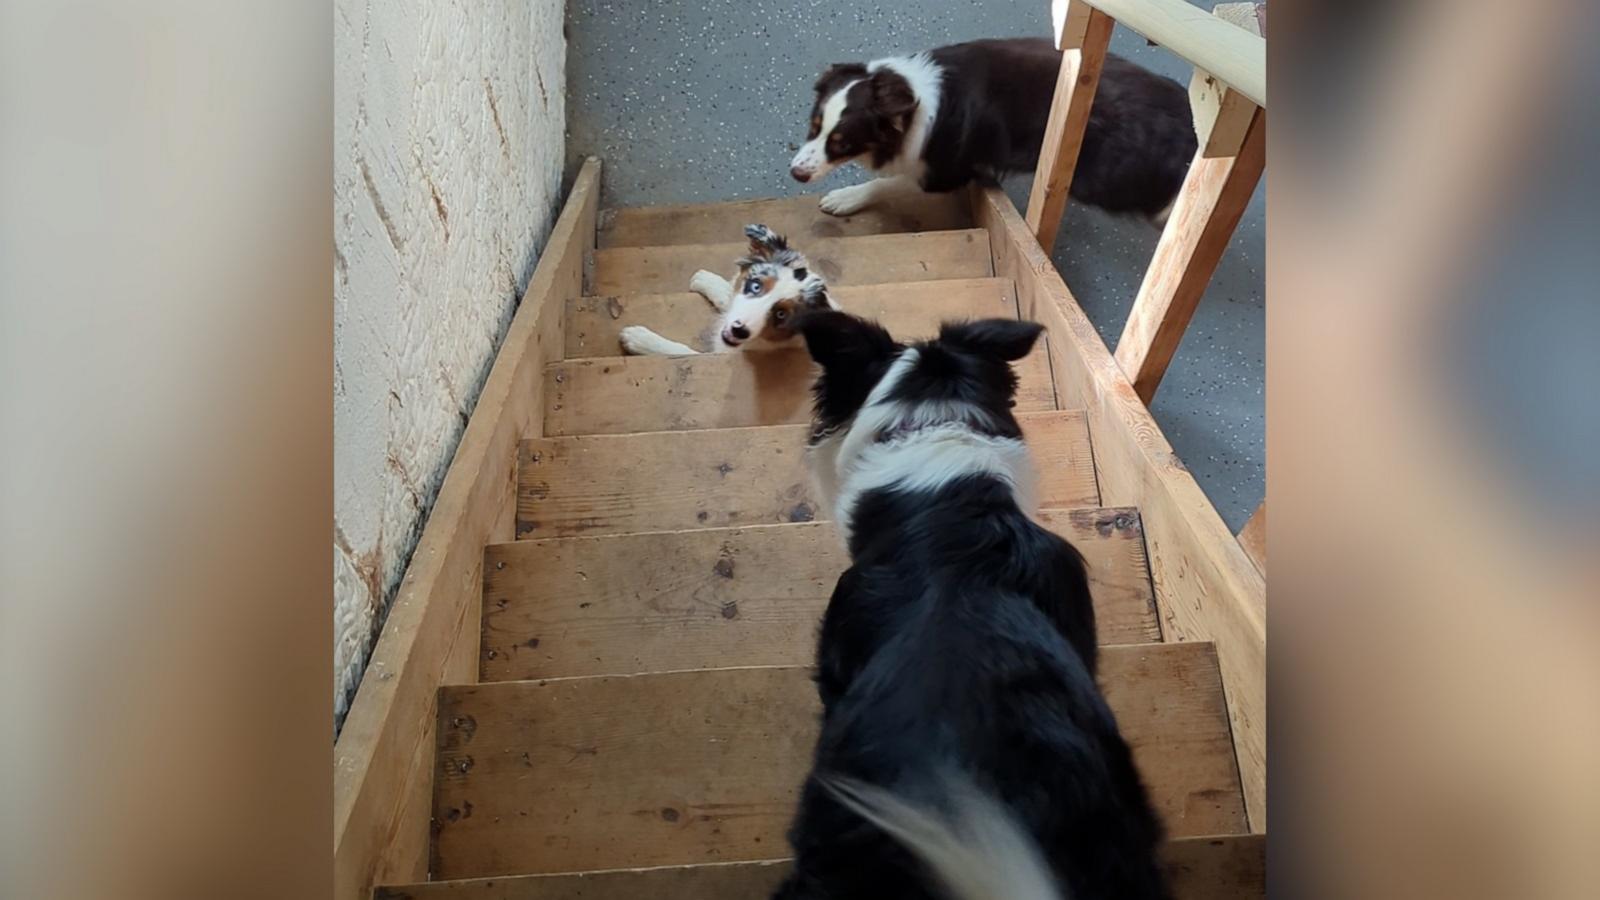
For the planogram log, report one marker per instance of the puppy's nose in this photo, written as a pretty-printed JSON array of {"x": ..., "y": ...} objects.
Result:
[
  {"x": 800, "y": 175},
  {"x": 739, "y": 331}
]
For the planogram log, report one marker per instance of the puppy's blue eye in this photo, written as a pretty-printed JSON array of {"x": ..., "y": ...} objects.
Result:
[{"x": 752, "y": 286}]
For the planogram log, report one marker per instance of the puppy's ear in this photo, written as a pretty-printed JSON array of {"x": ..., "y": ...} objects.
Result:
[
  {"x": 764, "y": 242},
  {"x": 893, "y": 98},
  {"x": 814, "y": 295},
  {"x": 840, "y": 342},
  {"x": 836, "y": 75},
  {"x": 1007, "y": 339}
]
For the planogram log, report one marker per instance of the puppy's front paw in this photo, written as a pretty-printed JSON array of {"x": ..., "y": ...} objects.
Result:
[
  {"x": 708, "y": 284},
  {"x": 845, "y": 201},
  {"x": 638, "y": 340}
]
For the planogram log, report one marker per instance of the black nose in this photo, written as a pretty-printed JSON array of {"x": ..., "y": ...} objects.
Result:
[
  {"x": 800, "y": 175},
  {"x": 740, "y": 332}
]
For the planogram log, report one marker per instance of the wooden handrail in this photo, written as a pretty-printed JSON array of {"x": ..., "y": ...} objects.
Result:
[{"x": 1230, "y": 54}]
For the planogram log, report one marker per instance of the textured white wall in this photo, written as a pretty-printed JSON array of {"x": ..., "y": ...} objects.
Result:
[{"x": 448, "y": 131}]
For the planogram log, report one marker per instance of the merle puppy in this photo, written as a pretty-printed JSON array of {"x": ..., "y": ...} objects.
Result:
[
  {"x": 938, "y": 120},
  {"x": 965, "y": 748}
]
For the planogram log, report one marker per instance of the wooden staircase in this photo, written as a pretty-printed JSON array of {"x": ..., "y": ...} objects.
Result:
[{"x": 643, "y": 714}]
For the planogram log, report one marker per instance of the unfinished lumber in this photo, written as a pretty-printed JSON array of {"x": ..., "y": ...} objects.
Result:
[
  {"x": 712, "y": 390},
  {"x": 730, "y": 477},
  {"x": 868, "y": 259},
  {"x": 573, "y": 774},
  {"x": 1253, "y": 537},
  {"x": 664, "y": 601},
  {"x": 797, "y": 218},
  {"x": 1076, "y": 83},
  {"x": 386, "y": 747},
  {"x": 1206, "y": 587},
  {"x": 1209, "y": 205},
  {"x": 1226, "y": 867},
  {"x": 910, "y": 310},
  {"x": 1237, "y": 57}
]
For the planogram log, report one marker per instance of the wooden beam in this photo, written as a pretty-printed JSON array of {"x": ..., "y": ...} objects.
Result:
[
  {"x": 1213, "y": 197},
  {"x": 1222, "y": 115},
  {"x": 385, "y": 751},
  {"x": 1206, "y": 587},
  {"x": 1235, "y": 56},
  {"x": 1063, "y": 136},
  {"x": 1253, "y": 537}
]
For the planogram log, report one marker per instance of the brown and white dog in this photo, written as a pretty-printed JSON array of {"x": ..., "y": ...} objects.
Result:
[
  {"x": 940, "y": 119},
  {"x": 772, "y": 287}
]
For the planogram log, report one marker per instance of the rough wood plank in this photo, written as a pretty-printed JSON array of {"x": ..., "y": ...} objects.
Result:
[
  {"x": 430, "y": 634},
  {"x": 729, "y": 477},
  {"x": 665, "y": 601},
  {"x": 1234, "y": 55},
  {"x": 704, "y": 766},
  {"x": 1222, "y": 115},
  {"x": 871, "y": 259},
  {"x": 1253, "y": 537},
  {"x": 1230, "y": 867},
  {"x": 1076, "y": 82},
  {"x": 1208, "y": 207},
  {"x": 714, "y": 390},
  {"x": 1206, "y": 587},
  {"x": 795, "y": 217},
  {"x": 910, "y": 310}
]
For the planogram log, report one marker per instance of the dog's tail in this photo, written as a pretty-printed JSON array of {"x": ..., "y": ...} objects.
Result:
[{"x": 977, "y": 851}]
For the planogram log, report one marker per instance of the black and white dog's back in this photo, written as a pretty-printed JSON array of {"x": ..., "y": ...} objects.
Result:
[
  {"x": 957, "y": 654},
  {"x": 939, "y": 120}
]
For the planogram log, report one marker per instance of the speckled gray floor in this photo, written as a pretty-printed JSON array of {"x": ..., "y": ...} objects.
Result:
[{"x": 707, "y": 100}]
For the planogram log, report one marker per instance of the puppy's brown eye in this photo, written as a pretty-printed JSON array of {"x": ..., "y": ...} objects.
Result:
[{"x": 780, "y": 314}]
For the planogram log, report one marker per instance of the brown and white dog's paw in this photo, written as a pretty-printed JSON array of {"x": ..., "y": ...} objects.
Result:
[{"x": 846, "y": 201}]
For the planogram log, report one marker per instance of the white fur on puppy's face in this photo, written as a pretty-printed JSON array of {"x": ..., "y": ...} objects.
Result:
[
  {"x": 812, "y": 161},
  {"x": 766, "y": 299}
]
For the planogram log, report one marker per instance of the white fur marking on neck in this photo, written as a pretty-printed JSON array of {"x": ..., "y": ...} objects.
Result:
[{"x": 941, "y": 448}]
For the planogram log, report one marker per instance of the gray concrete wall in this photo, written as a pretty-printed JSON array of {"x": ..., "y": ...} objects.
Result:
[{"x": 448, "y": 130}]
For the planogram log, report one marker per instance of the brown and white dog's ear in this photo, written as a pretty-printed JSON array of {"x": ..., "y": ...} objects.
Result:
[
  {"x": 764, "y": 242},
  {"x": 814, "y": 295},
  {"x": 837, "y": 75},
  {"x": 893, "y": 99}
]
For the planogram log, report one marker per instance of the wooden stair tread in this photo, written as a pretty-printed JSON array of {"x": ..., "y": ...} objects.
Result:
[
  {"x": 721, "y": 597},
  {"x": 676, "y": 768},
  {"x": 1223, "y": 867},
  {"x": 627, "y": 394},
  {"x": 728, "y": 477},
  {"x": 868, "y": 259},
  {"x": 795, "y": 217},
  {"x": 910, "y": 309}
]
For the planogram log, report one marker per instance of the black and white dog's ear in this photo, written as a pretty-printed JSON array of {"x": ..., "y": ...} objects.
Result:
[
  {"x": 840, "y": 342},
  {"x": 1008, "y": 339},
  {"x": 764, "y": 242},
  {"x": 814, "y": 295},
  {"x": 893, "y": 98}
]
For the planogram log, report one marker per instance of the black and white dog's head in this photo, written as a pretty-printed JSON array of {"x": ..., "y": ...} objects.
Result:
[
  {"x": 914, "y": 416},
  {"x": 866, "y": 112},
  {"x": 773, "y": 286}
]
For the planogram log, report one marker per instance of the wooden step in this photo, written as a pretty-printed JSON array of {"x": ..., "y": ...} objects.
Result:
[
  {"x": 721, "y": 597},
  {"x": 1227, "y": 867},
  {"x": 797, "y": 218},
  {"x": 871, "y": 259},
  {"x": 573, "y": 774},
  {"x": 909, "y": 310},
  {"x": 624, "y": 394},
  {"x": 730, "y": 477}
]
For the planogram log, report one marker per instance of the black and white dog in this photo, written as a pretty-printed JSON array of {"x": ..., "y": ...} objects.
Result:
[
  {"x": 965, "y": 749},
  {"x": 977, "y": 111}
]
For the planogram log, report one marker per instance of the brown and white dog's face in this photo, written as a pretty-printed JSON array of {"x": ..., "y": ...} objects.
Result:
[
  {"x": 858, "y": 115},
  {"x": 773, "y": 286}
]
